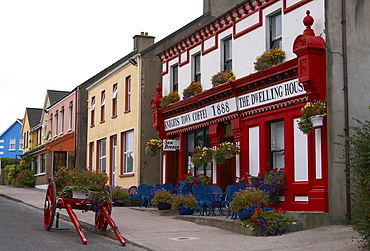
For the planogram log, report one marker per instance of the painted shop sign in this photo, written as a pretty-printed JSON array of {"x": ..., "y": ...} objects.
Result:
[
  {"x": 208, "y": 112},
  {"x": 264, "y": 96},
  {"x": 171, "y": 144},
  {"x": 271, "y": 94}
]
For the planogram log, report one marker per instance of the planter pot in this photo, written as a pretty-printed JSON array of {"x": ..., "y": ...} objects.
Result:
[
  {"x": 163, "y": 206},
  {"x": 245, "y": 213},
  {"x": 317, "y": 120},
  {"x": 79, "y": 195},
  {"x": 118, "y": 204},
  {"x": 260, "y": 231},
  {"x": 253, "y": 180},
  {"x": 186, "y": 211}
]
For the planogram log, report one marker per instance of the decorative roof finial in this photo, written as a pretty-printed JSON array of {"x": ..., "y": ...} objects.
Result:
[{"x": 308, "y": 22}]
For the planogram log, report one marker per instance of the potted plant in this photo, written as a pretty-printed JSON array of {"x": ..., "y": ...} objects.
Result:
[
  {"x": 152, "y": 146},
  {"x": 311, "y": 116},
  {"x": 269, "y": 221},
  {"x": 273, "y": 182},
  {"x": 162, "y": 199},
  {"x": 195, "y": 180},
  {"x": 120, "y": 196},
  {"x": 184, "y": 203},
  {"x": 192, "y": 89},
  {"x": 90, "y": 185},
  {"x": 201, "y": 156},
  {"x": 268, "y": 59},
  {"x": 246, "y": 200},
  {"x": 225, "y": 150},
  {"x": 222, "y": 77},
  {"x": 171, "y": 98}
]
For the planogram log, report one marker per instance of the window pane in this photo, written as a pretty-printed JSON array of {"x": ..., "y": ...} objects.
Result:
[
  {"x": 277, "y": 144},
  {"x": 175, "y": 78}
]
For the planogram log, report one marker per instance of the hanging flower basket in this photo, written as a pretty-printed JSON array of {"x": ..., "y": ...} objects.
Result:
[
  {"x": 317, "y": 121},
  {"x": 201, "y": 156},
  {"x": 308, "y": 116},
  {"x": 224, "y": 151},
  {"x": 152, "y": 147}
]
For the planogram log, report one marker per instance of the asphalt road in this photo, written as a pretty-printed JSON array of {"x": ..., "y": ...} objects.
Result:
[{"x": 21, "y": 228}]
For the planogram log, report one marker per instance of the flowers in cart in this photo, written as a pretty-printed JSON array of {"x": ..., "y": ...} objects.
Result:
[
  {"x": 195, "y": 180},
  {"x": 90, "y": 186},
  {"x": 273, "y": 183}
]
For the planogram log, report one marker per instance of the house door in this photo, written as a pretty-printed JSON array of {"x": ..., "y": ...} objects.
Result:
[
  {"x": 227, "y": 173},
  {"x": 60, "y": 160},
  {"x": 172, "y": 167}
]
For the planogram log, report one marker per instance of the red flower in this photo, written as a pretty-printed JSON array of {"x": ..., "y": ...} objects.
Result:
[
  {"x": 251, "y": 213},
  {"x": 257, "y": 209},
  {"x": 260, "y": 205},
  {"x": 253, "y": 220},
  {"x": 275, "y": 170},
  {"x": 259, "y": 212},
  {"x": 276, "y": 211}
]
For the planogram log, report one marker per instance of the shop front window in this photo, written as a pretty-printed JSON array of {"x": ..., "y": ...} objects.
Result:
[
  {"x": 277, "y": 144},
  {"x": 194, "y": 139}
]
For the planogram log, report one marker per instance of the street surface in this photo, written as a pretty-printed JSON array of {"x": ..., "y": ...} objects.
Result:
[{"x": 22, "y": 229}]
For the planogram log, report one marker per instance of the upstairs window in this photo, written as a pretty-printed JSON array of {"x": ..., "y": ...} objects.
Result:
[
  {"x": 70, "y": 115},
  {"x": 227, "y": 54},
  {"x": 175, "y": 78},
  {"x": 128, "y": 94},
  {"x": 114, "y": 100},
  {"x": 62, "y": 120},
  {"x": 275, "y": 31},
  {"x": 102, "y": 107},
  {"x": 196, "y": 68},
  {"x": 12, "y": 144},
  {"x": 51, "y": 126},
  {"x": 92, "y": 112},
  {"x": 56, "y": 123}
]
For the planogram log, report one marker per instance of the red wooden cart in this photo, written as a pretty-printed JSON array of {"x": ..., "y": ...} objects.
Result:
[{"x": 102, "y": 217}]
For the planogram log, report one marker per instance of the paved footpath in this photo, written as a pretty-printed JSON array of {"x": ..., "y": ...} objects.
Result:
[{"x": 164, "y": 233}]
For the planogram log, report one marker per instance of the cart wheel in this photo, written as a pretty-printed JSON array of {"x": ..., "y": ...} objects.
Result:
[
  {"x": 100, "y": 222},
  {"x": 50, "y": 206}
]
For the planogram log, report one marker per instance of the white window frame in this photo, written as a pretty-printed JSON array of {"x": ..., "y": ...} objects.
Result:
[
  {"x": 70, "y": 115},
  {"x": 12, "y": 144},
  {"x": 102, "y": 155},
  {"x": 128, "y": 151},
  {"x": 227, "y": 49},
  {"x": 175, "y": 78},
  {"x": 272, "y": 25}
]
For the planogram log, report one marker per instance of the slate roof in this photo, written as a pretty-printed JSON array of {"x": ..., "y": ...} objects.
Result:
[
  {"x": 55, "y": 96},
  {"x": 34, "y": 116}
]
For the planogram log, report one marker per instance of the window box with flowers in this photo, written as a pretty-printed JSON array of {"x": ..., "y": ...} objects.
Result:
[
  {"x": 184, "y": 203},
  {"x": 226, "y": 150},
  {"x": 222, "y": 77},
  {"x": 273, "y": 183},
  {"x": 171, "y": 98},
  {"x": 192, "y": 89},
  {"x": 268, "y": 59},
  {"x": 202, "y": 155},
  {"x": 152, "y": 147},
  {"x": 312, "y": 115},
  {"x": 195, "y": 180}
]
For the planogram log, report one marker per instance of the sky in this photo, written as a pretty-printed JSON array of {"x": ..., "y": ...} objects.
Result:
[{"x": 57, "y": 45}]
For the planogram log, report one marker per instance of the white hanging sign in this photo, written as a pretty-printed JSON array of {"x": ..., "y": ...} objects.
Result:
[{"x": 171, "y": 145}]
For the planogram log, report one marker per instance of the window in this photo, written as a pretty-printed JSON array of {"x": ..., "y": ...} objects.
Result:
[
  {"x": 195, "y": 139},
  {"x": 175, "y": 78},
  {"x": 70, "y": 115},
  {"x": 128, "y": 94},
  {"x": 113, "y": 142},
  {"x": 62, "y": 120},
  {"x": 275, "y": 31},
  {"x": 114, "y": 101},
  {"x": 102, "y": 107},
  {"x": 43, "y": 163},
  {"x": 102, "y": 144},
  {"x": 227, "y": 54},
  {"x": 196, "y": 68},
  {"x": 92, "y": 112},
  {"x": 127, "y": 139},
  {"x": 51, "y": 125},
  {"x": 20, "y": 143},
  {"x": 277, "y": 144},
  {"x": 91, "y": 156},
  {"x": 56, "y": 123},
  {"x": 12, "y": 144}
]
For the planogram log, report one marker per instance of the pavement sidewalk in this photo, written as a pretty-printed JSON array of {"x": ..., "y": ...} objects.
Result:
[{"x": 163, "y": 233}]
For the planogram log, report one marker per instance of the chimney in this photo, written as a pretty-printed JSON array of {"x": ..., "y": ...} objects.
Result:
[{"x": 143, "y": 41}]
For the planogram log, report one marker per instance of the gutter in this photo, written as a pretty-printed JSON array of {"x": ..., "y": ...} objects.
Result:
[{"x": 346, "y": 109}]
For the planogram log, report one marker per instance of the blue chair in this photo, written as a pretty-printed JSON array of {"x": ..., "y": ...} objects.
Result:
[
  {"x": 204, "y": 197},
  {"x": 132, "y": 191},
  {"x": 230, "y": 191},
  {"x": 218, "y": 193},
  {"x": 168, "y": 187},
  {"x": 145, "y": 192},
  {"x": 185, "y": 188},
  {"x": 157, "y": 186}
]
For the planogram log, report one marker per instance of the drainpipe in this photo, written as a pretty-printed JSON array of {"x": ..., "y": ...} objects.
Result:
[
  {"x": 346, "y": 112},
  {"x": 138, "y": 133}
]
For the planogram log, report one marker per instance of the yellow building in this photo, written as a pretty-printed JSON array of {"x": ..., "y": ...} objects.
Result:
[{"x": 114, "y": 118}]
